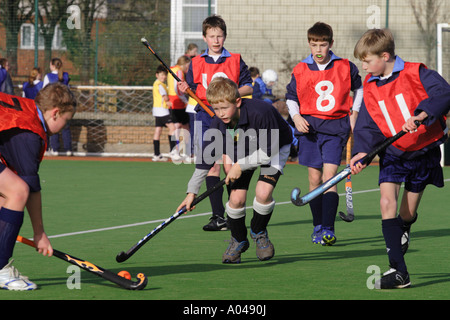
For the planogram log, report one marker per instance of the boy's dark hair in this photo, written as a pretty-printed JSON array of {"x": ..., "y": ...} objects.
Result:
[
  {"x": 254, "y": 71},
  {"x": 56, "y": 95},
  {"x": 214, "y": 21},
  {"x": 160, "y": 69},
  {"x": 320, "y": 31}
]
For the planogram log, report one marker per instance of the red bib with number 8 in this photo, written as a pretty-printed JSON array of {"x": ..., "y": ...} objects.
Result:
[{"x": 324, "y": 94}]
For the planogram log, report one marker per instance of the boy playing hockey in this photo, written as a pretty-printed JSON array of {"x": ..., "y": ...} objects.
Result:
[{"x": 397, "y": 93}]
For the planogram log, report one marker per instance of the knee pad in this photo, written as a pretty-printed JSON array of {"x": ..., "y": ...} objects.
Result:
[
  {"x": 263, "y": 209},
  {"x": 234, "y": 213}
]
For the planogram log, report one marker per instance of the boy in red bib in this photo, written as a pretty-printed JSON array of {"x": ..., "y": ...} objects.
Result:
[
  {"x": 397, "y": 93},
  {"x": 319, "y": 102},
  {"x": 215, "y": 62},
  {"x": 24, "y": 127}
]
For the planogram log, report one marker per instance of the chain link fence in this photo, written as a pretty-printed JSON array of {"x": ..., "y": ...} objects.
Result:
[{"x": 112, "y": 72}]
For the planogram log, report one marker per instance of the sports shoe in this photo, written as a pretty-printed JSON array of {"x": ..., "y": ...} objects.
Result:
[
  {"x": 328, "y": 237},
  {"x": 159, "y": 157},
  {"x": 234, "y": 250},
  {"x": 264, "y": 248},
  {"x": 174, "y": 155},
  {"x": 316, "y": 236},
  {"x": 393, "y": 279},
  {"x": 216, "y": 223},
  {"x": 11, "y": 279}
]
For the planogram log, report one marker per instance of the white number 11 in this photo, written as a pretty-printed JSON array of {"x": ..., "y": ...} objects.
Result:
[{"x": 403, "y": 108}]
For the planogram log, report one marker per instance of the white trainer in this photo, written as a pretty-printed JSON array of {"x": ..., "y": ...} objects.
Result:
[{"x": 11, "y": 279}]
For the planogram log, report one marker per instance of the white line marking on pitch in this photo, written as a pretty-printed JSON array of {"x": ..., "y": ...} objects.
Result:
[{"x": 182, "y": 217}]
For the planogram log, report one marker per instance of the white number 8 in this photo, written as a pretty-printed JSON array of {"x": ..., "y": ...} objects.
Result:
[{"x": 325, "y": 95}]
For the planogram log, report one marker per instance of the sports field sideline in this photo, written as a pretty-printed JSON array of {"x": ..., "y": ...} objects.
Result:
[{"x": 95, "y": 209}]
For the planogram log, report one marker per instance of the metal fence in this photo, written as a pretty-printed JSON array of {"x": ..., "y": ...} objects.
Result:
[{"x": 111, "y": 72}]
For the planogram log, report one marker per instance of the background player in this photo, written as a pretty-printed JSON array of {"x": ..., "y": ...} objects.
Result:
[
  {"x": 58, "y": 75},
  {"x": 161, "y": 105}
]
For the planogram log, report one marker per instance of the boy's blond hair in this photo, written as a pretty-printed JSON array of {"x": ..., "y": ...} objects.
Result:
[
  {"x": 222, "y": 90},
  {"x": 375, "y": 41},
  {"x": 56, "y": 95}
]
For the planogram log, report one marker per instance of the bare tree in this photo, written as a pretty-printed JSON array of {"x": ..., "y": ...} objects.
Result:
[
  {"x": 80, "y": 42},
  {"x": 53, "y": 13},
  {"x": 427, "y": 15},
  {"x": 13, "y": 13}
]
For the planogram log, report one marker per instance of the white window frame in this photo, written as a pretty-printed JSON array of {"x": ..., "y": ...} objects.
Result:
[
  {"x": 177, "y": 35},
  {"x": 57, "y": 37}
]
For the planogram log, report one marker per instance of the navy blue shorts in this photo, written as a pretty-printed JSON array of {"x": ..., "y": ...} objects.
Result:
[
  {"x": 2, "y": 167},
  {"x": 315, "y": 149},
  {"x": 416, "y": 173}
]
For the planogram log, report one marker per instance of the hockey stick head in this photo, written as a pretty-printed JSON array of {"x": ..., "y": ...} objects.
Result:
[
  {"x": 346, "y": 218},
  {"x": 140, "y": 283},
  {"x": 147, "y": 44},
  {"x": 295, "y": 197},
  {"x": 121, "y": 257}
]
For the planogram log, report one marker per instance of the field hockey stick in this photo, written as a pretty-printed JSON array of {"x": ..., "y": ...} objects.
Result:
[
  {"x": 122, "y": 256},
  {"x": 189, "y": 91},
  {"x": 92, "y": 268},
  {"x": 301, "y": 201},
  {"x": 350, "y": 216}
]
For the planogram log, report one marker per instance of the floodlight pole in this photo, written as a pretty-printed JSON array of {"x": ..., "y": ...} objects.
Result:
[
  {"x": 36, "y": 33},
  {"x": 387, "y": 15}
]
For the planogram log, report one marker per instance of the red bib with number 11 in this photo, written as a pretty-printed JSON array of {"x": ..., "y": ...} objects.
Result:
[{"x": 391, "y": 104}]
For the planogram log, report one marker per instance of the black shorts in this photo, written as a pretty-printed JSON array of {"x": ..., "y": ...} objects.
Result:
[
  {"x": 162, "y": 121},
  {"x": 244, "y": 180},
  {"x": 179, "y": 116}
]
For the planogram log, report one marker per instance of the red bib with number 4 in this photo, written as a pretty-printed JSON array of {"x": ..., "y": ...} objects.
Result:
[
  {"x": 204, "y": 72},
  {"x": 324, "y": 94},
  {"x": 390, "y": 105}
]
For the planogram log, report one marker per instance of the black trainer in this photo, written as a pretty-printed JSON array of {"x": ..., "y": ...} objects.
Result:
[
  {"x": 216, "y": 223},
  {"x": 393, "y": 279}
]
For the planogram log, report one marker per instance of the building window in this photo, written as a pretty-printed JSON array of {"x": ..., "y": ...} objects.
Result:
[
  {"x": 27, "y": 38},
  {"x": 186, "y": 25}
]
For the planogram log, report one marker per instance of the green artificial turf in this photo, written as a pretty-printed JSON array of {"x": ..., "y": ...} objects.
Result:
[{"x": 183, "y": 262}]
